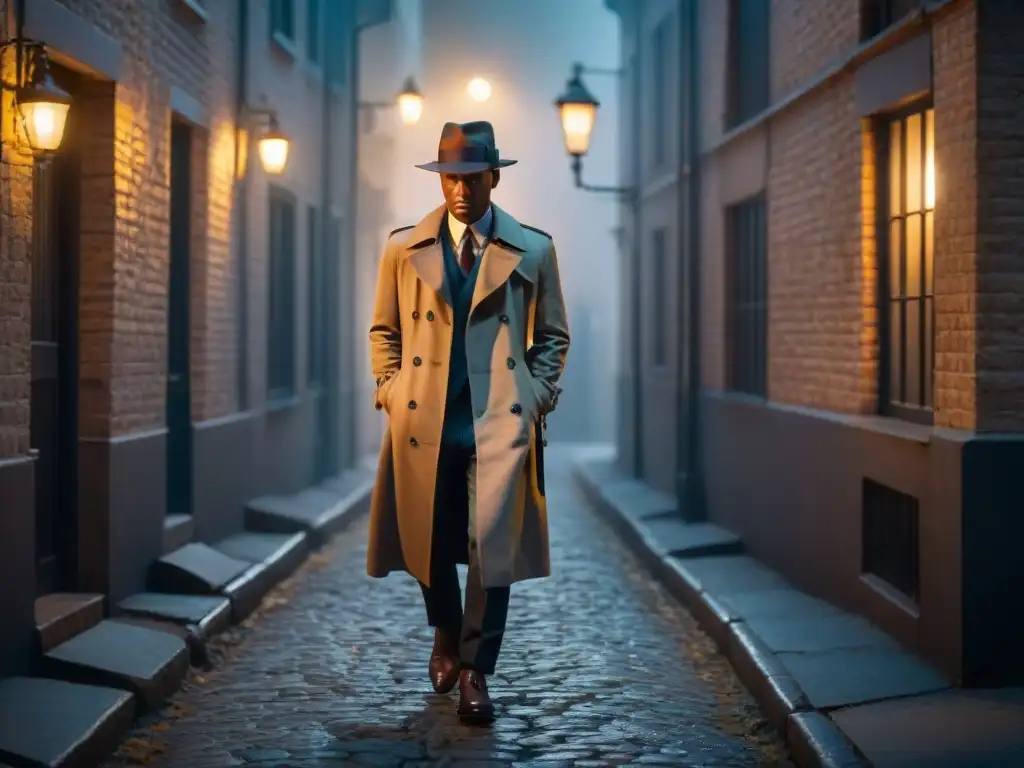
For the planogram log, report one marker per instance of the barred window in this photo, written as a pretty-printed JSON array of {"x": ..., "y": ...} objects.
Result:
[
  {"x": 747, "y": 300},
  {"x": 281, "y": 296},
  {"x": 908, "y": 194}
]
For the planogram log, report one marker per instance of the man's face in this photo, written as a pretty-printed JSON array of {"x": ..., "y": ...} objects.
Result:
[{"x": 468, "y": 196}]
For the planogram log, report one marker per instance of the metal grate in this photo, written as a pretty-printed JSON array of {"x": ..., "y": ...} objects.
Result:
[{"x": 890, "y": 537}]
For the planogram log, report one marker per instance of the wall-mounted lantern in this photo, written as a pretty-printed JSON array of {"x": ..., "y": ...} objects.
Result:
[
  {"x": 577, "y": 114},
  {"x": 41, "y": 105},
  {"x": 409, "y": 102},
  {"x": 272, "y": 144}
]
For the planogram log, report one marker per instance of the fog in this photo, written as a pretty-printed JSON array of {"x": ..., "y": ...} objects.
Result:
[{"x": 525, "y": 49}]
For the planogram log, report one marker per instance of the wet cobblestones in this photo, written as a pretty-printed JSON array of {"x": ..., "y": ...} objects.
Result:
[{"x": 600, "y": 667}]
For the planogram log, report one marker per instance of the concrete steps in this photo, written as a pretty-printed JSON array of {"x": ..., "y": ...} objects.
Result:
[
  {"x": 61, "y": 616},
  {"x": 97, "y": 673}
]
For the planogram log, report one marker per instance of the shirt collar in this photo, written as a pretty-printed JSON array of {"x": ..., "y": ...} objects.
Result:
[{"x": 480, "y": 228}]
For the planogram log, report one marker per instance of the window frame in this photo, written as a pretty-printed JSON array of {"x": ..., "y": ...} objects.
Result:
[
  {"x": 314, "y": 32},
  {"x": 659, "y": 307},
  {"x": 743, "y": 86},
  {"x": 661, "y": 53},
  {"x": 747, "y": 358},
  {"x": 282, "y": 21},
  {"x": 281, "y": 362},
  {"x": 921, "y": 412}
]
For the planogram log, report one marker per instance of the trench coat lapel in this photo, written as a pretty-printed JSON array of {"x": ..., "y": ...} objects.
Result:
[
  {"x": 426, "y": 253},
  {"x": 501, "y": 257}
]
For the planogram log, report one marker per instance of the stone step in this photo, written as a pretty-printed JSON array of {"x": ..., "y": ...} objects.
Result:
[
  {"x": 195, "y": 569},
  {"x": 320, "y": 512},
  {"x": 193, "y": 618},
  {"x": 62, "y": 615},
  {"x": 148, "y": 663},
  {"x": 178, "y": 531},
  {"x": 55, "y": 723},
  {"x": 273, "y": 557}
]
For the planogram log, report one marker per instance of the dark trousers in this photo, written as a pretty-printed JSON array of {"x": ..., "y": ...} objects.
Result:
[{"x": 475, "y": 633}]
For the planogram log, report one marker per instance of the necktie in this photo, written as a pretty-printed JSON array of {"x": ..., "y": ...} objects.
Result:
[{"x": 467, "y": 257}]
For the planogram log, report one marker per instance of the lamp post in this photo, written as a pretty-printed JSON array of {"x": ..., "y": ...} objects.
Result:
[
  {"x": 577, "y": 112},
  {"x": 409, "y": 102}
]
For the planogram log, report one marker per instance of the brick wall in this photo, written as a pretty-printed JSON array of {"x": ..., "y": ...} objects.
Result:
[
  {"x": 816, "y": 286},
  {"x": 956, "y": 193},
  {"x": 1000, "y": 211},
  {"x": 823, "y": 262},
  {"x": 124, "y": 280},
  {"x": 15, "y": 279}
]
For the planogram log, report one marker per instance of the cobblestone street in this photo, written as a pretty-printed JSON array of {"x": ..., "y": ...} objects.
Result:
[{"x": 599, "y": 667}]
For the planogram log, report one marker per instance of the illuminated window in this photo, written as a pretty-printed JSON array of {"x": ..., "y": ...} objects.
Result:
[{"x": 908, "y": 193}]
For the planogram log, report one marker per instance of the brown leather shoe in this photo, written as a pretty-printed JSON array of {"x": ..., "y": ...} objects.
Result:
[
  {"x": 444, "y": 664},
  {"x": 475, "y": 704}
]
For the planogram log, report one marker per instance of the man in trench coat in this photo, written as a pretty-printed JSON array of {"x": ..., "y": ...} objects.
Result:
[{"x": 468, "y": 341}]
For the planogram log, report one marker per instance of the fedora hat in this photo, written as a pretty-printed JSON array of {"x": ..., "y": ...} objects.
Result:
[{"x": 466, "y": 148}]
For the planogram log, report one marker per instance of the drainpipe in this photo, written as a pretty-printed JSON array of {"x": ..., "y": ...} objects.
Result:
[
  {"x": 329, "y": 401},
  {"x": 242, "y": 206},
  {"x": 636, "y": 254},
  {"x": 378, "y": 12},
  {"x": 689, "y": 479}
]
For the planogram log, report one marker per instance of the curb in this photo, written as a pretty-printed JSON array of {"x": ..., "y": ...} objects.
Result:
[{"x": 813, "y": 739}]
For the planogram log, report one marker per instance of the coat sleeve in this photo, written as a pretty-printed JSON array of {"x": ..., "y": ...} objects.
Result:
[
  {"x": 385, "y": 328},
  {"x": 550, "y": 331}
]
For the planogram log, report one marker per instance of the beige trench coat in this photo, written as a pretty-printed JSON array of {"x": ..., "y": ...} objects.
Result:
[{"x": 512, "y": 383}]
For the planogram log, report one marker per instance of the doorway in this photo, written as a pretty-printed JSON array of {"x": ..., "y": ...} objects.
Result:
[
  {"x": 179, "y": 392},
  {"x": 325, "y": 460},
  {"x": 53, "y": 409}
]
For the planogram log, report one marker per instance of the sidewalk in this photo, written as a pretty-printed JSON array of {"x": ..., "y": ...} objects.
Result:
[{"x": 842, "y": 693}]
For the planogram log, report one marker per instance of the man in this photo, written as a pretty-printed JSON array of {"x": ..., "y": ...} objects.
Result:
[{"x": 468, "y": 342}]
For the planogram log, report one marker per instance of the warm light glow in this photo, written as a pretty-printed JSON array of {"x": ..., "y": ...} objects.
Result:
[
  {"x": 577, "y": 126},
  {"x": 273, "y": 153},
  {"x": 44, "y": 123},
  {"x": 929, "y": 160},
  {"x": 410, "y": 107},
  {"x": 479, "y": 89}
]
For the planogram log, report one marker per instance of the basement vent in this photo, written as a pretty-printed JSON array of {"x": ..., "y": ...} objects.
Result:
[{"x": 889, "y": 522}]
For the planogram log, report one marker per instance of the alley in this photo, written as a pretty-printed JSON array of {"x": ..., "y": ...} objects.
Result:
[{"x": 600, "y": 667}]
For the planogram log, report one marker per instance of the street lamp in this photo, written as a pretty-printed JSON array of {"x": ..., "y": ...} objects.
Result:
[
  {"x": 479, "y": 89},
  {"x": 409, "y": 102},
  {"x": 273, "y": 144},
  {"x": 40, "y": 103},
  {"x": 577, "y": 111}
]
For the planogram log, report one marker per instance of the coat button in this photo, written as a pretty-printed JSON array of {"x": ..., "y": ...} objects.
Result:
[
  {"x": 510, "y": 363},
  {"x": 430, "y": 315},
  {"x": 417, "y": 362},
  {"x": 416, "y": 314},
  {"x": 516, "y": 408},
  {"x": 504, "y": 319},
  {"x": 412, "y": 405},
  {"x": 413, "y": 442}
]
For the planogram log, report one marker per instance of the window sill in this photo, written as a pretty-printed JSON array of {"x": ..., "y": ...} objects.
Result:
[
  {"x": 196, "y": 8},
  {"x": 282, "y": 402},
  {"x": 285, "y": 44},
  {"x": 315, "y": 71}
]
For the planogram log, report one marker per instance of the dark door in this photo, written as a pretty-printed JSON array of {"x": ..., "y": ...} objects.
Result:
[
  {"x": 320, "y": 281},
  {"x": 54, "y": 371},
  {"x": 179, "y": 397}
]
